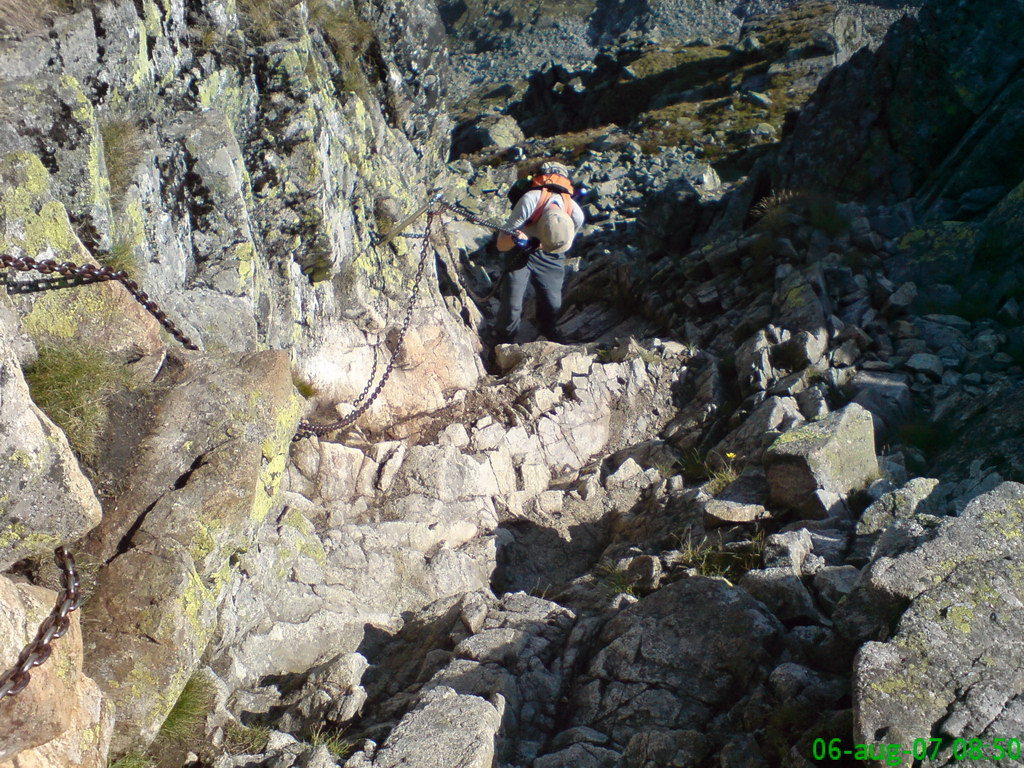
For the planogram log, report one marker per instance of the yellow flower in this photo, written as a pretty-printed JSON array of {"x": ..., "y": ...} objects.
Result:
[{"x": 730, "y": 455}]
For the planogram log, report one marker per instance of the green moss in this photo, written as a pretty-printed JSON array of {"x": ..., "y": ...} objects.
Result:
[
  {"x": 275, "y": 454},
  {"x": 196, "y": 602},
  {"x": 133, "y": 760},
  {"x": 56, "y": 318},
  {"x": 151, "y": 18},
  {"x": 18, "y": 536},
  {"x": 961, "y": 617}
]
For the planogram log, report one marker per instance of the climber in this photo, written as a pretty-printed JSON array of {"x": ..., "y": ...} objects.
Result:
[{"x": 546, "y": 220}]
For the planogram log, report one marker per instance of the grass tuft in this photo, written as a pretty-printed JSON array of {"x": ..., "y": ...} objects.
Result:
[
  {"x": 29, "y": 16},
  {"x": 717, "y": 473},
  {"x": 719, "y": 561},
  {"x": 246, "y": 739},
  {"x": 188, "y": 715},
  {"x": 306, "y": 389},
  {"x": 616, "y": 581},
  {"x": 772, "y": 211},
  {"x": 266, "y": 19},
  {"x": 334, "y": 739},
  {"x": 122, "y": 258},
  {"x": 133, "y": 760},
  {"x": 71, "y": 385},
  {"x": 124, "y": 145}
]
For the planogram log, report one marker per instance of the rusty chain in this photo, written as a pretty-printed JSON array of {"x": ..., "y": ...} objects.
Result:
[
  {"x": 364, "y": 401},
  {"x": 53, "y": 627},
  {"x": 79, "y": 274}
]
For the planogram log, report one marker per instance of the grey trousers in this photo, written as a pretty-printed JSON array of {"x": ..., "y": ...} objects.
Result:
[{"x": 546, "y": 272}]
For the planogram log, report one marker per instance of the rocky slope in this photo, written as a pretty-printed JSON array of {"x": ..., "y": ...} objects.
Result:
[{"x": 770, "y": 494}]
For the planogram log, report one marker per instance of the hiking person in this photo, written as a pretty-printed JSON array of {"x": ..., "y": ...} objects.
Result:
[{"x": 546, "y": 219}]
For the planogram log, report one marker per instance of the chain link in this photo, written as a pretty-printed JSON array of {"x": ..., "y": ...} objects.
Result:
[
  {"x": 90, "y": 273},
  {"x": 54, "y": 627}
]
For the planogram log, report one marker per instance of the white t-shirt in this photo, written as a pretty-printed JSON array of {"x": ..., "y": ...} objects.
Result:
[{"x": 528, "y": 204}]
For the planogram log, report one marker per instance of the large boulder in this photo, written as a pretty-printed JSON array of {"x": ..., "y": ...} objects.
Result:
[
  {"x": 446, "y": 728},
  {"x": 821, "y": 460}
]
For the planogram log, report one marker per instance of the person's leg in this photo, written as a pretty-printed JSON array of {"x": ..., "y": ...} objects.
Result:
[
  {"x": 548, "y": 274},
  {"x": 511, "y": 311}
]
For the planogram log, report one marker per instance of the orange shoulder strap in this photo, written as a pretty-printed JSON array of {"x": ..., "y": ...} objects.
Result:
[{"x": 545, "y": 196}]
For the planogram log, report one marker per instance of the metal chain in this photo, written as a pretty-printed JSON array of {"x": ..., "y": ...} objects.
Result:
[
  {"x": 308, "y": 429},
  {"x": 55, "y": 625},
  {"x": 45, "y": 284},
  {"x": 469, "y": 288},
  {"x": 94, "y": 274},
  {"x": 467, "y": 214}
]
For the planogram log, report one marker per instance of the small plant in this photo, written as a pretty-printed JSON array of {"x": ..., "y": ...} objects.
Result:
[
  {"x": 721, "y": 477},
  {"x": 334, "y": 739},
  {"x": 693, "y": 466},
  {"x": 306, "y": 388},
  {"x": 350, "y": 38},
  {"x": 823, "y": 213},
  {"x": 124, "y": 145},
  {"x": 121, "y": 257},
  {"x": 246, "y": 739},
  {"x": 785, "y": 725},
  {"x": 772, "y": 211},
  {"x": 188, "y": 715},
  {"x": 133, "y": 760},
  {"x": 649, "y": 356},
  {"x": 28, "y": 16},
  {"x": 667, "y": 468},
  {"x": 72, "y": 385},
  {"x": 929, "y": 437},
  {"x": 727, "y": 562},
  {"x": 616, "y": 581}
]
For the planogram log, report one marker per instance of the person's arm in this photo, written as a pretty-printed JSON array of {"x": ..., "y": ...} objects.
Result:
[
  {"x": 520, "y": 215},
  {"x": 578, "y": 217}
]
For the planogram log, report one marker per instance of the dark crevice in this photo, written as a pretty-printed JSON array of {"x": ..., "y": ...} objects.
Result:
[{"x": 126, "y": 542}]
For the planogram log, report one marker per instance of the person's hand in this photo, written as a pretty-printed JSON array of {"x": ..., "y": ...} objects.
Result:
[{"x": 521, "y": 240}]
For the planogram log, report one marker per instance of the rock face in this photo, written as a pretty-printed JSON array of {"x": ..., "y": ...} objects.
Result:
[
  {"x": 950, "y": 667},
  {"x": 61, "y": 718},
  {"x": 201, "y": 485},
  {"x": 972, "y": 74},
  {"x": 49, "y": 500},
  {"x": 696, "y": 535},
  {"x": 650, "y": 672}
]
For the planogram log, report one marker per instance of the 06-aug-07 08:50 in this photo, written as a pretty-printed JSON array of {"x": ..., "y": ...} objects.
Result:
[{"x": 922, "y": 749}]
